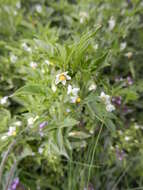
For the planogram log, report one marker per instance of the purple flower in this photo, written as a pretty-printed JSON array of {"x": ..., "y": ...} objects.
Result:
[
  {"x": 117, "y": 100},
  {"x": 42, "y": 125},
  {"x": 14, "y": 184},
  {"x": 120, "y": 154},
  {"x": 126, "y": 110},
  {"x": 129, "y": 80}
]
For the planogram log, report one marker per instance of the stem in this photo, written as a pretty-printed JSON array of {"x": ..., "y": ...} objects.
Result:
[
  {"x": 5, "y": 157},
  {"x": 92, "y": 159},
  {"x": 10, "y": 175}
]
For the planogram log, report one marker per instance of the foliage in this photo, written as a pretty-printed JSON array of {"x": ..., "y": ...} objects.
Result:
[{"x": 71, "y": 94}]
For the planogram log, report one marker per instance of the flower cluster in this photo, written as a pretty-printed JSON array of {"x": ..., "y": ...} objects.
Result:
[
  {"x": 73, "y": 92},
  {"x": 106, "y": 99}
]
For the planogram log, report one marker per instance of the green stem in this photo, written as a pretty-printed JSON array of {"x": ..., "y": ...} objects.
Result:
[
  {"x": 92, "y": 159},
  {"x": 5, "y": 157}
]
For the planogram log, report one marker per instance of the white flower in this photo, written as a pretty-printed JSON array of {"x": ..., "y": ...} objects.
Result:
[
  {"x": 3, "y": 100},
  {"x": 107, "y": 101},
  {"x": 83, "y": 16},
  {"x": 15, "y": 12},
  {"x": 136, "y": 126},
  {"x": 31, "y": 120},
  {"x": 73, "y": 91},
  {"x": 111, "y": 23},
  {"x": 18, "y": 5},
  {"x": 74, "y": 98},
  {"x": 26, "y": 47},
  {"x": 33, "y": 64},
  {"x": 42, "y": 70},
  {"x": 13, "y": 58},
  {"x": 123, "y": 46},
  {"x": 110, "y": 107},
  {"x": 40, "y": 150},
  {"x": 47, "y": 62},
  {"x": 105, "y": 98},
  {"x": 17, "y": 123},
  {"x": 68, "y": 110},
  {"x": 63, "y": 77},
  {"x": 96, "y": 46},
  {"x": 54, "y": 88},
  {"x": 38, "y": 8},
  {"x": 127, "y": 138},
  {"x": 11, "y": 131},
  {"x": 92, "y": 87}
]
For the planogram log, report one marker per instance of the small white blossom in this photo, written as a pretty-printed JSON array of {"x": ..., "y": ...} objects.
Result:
[
  {"x": 26, "y": 47},
  {"x": 38, "y": 8},
  {"x": 62, "y": 78},
  {"x": 43, "y": 71},
  {"x": 40, "y": 150},
  {"x": 73, "y": 91},
  {"x": 83, "y": 16},
  {"x": 15, "y": 12},
  {"x": 33, "y": 64},
  {"x": 13, "y": 58},
  {"x": 111, "y": 23},
  {"x": 47, "y": 62},
  {"x": 105, "y": 98},
  {"x": 127, "y": 138},
  {"x": 110, "y": 107},
  {"x": 123, "y": 46},
  {"x": 92, "y": 87},
  {"x": 31, "y": 120},
  {"x": 17, "y": 123},
  {"x": 68, "y": 110},
  {"x": 18, "y": 5},
  {"x": 54, "y": 88},
  {"x": 11, "y": 131},
  {"x": 73, "y": 99},
  {"x": 3, "y": 100},
  {"x": 96, "y": 46},
  {"x": 136, "y": 126}
]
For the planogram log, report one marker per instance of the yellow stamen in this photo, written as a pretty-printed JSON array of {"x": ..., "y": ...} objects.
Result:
[
  {"x": 13, "y": 133},
  {"x": 78, "y": 100},
  {"x": 62, "y": 77}
]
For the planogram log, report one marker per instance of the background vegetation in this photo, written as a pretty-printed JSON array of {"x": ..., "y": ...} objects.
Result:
[{"x": 80, "y": 130}]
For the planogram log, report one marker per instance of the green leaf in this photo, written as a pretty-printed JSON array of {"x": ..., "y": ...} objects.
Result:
[
  {"x": 79, "y": 135},
  {"x": 31, "y": 89},
  {"x": 99, "y": 62},
  {"x": 69, "y": 122},
  {"x": 4, "y": 118}
]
